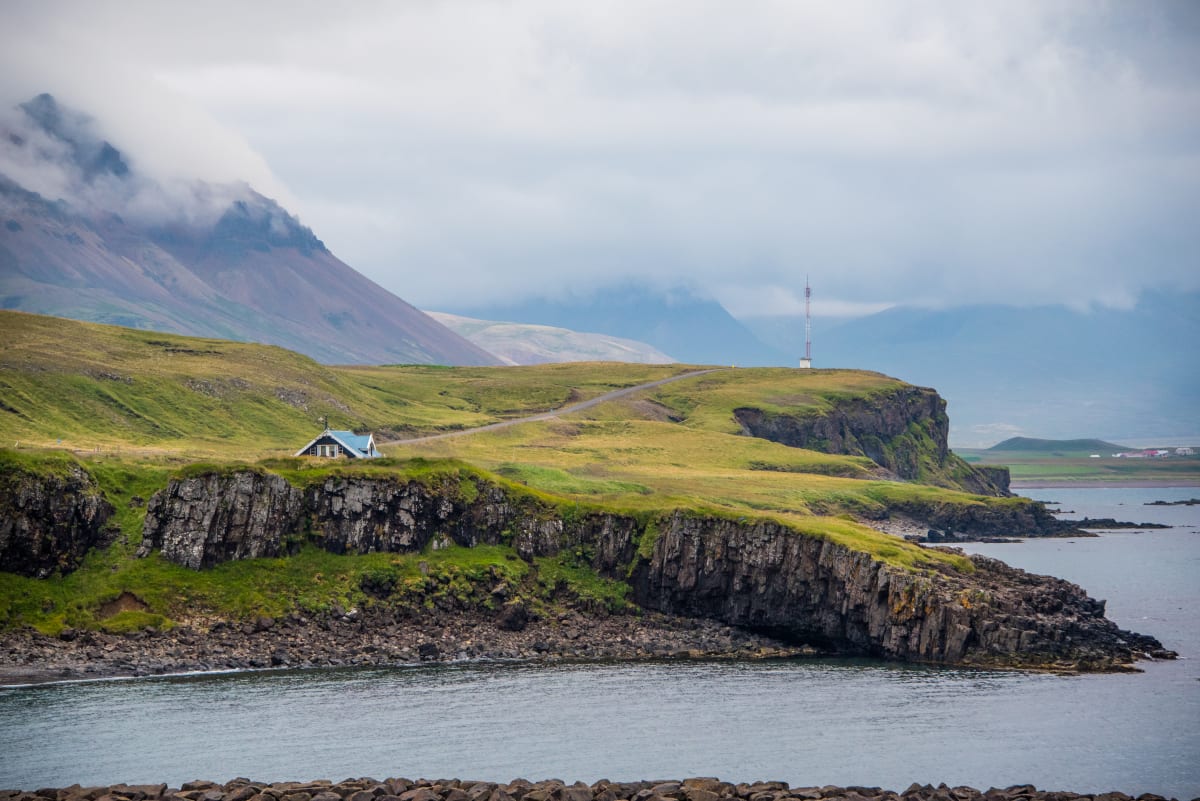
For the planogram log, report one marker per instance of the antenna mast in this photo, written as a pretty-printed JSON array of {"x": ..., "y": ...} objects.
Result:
[
  {"x": 807, "y": 360},
  {"x": 807, "y": 320}
]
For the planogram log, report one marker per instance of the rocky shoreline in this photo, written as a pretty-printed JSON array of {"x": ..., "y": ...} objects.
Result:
[
  {"x": 400, "y": 789},
  {"x": 374, "y": 637},
  {"x": 738, "y": 572}
]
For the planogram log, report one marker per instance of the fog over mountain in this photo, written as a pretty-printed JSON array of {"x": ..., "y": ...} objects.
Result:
[{"x": 84, "y": 234}]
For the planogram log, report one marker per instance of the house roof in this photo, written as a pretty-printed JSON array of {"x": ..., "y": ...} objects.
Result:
[{"x": 360, "y": 445}]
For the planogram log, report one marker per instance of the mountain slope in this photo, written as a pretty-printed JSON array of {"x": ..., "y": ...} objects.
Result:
[
  {"x": 234, "y": 264},
  {"x": 522, "y": 343},
  {"x": 692, "y": 329}
]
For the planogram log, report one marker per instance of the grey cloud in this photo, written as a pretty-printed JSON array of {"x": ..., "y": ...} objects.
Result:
[
  {"x": 60, "y": 154},
  {"x": 934, "y": 153}
]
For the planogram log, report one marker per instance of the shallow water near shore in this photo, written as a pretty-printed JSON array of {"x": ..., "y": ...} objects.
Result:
[{"x": 807, "y": 722}]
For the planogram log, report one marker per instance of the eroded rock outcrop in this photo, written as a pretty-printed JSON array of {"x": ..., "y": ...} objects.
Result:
[
  {"x": 766, "y": 577},
  {"x": 1012, "y": 517},
  {"x": 49, "y": 520},
  {"x": 904, "y": 430},
  {"x": 205, "y": 520},
  {"x": 759, "y": 574}
]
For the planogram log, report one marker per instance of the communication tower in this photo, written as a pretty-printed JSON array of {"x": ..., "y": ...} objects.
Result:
[{"x": 806, "y": 360}]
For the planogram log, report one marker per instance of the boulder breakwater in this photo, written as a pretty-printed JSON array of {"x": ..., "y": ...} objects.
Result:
[{"x": 401, "y": 789}]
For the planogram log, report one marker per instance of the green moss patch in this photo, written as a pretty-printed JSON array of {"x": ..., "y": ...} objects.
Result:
[{"x": 131, "y": 621}]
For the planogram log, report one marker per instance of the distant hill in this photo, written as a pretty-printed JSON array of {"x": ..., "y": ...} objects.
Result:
[
  {"x": 690, "y": 328},
  {"x": 522, "y": 343},
  {"x": 205, "y": 260},
  {"x": 1057, "y": 445}
]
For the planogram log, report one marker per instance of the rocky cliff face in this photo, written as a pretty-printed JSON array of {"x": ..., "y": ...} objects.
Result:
[
  {"x": 989, "y": 480},
  {"x": 204, "y": 521},
  {"x": 903, "y": 430},
  {"x": 1015, "y": 517},
  {"x": 765, "y": 577},
  {"x": 48, "y": 521},
  {"x": 758, "y": 574}
]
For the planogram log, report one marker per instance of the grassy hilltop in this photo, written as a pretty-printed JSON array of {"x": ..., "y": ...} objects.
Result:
[{"x": 138, "y": 407}]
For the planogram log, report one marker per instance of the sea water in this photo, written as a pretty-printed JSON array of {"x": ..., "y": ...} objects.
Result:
[{"x": 809, "y": 722}]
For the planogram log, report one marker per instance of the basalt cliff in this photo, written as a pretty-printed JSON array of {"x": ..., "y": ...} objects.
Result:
[
  {"x": 759, "y": 574},
  {"x": 49, "y": 521},
  {"x": 903, "y": 430}
]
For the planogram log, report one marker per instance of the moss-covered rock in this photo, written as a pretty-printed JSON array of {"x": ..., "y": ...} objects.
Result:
[{"x": 51, "y": 514}]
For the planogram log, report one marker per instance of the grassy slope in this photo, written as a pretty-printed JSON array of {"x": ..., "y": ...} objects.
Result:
[
  {"x": 94, "y": 386},
  {"x": 163, "y": 400}
]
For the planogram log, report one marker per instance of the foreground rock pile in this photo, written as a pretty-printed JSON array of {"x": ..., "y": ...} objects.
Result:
[
  {"x": 371, "y": 637},
  {"x": 701, "y": 789}
]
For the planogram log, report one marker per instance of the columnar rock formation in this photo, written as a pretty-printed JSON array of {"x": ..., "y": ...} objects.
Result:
[
  {"x": 764, "y": 576},
  {"x": 48, "y": 521},
  {"x": 250, "y": 510}
]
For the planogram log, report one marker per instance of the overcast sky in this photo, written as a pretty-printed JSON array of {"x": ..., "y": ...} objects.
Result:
[{"x": 935, "y": 153}]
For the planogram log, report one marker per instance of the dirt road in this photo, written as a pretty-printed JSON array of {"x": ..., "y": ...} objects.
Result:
[{"x": 574, "y": 407}]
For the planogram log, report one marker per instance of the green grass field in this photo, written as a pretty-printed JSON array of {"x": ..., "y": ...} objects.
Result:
[{"x": 136, "y": 407}]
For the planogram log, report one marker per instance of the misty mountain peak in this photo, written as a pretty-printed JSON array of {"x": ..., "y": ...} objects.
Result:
[
  {"x": 259, "y": 223},
  {"x": 93, "y": 155},
  {"x": 58, "y": 154}
]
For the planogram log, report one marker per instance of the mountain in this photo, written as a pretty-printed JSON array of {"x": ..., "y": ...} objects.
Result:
[
  {"x": 204, "y": 259},
  {"x": 1048, "y": 371},
  {"x": 522, "y": 343},
  {"x": 692, "y": 329}
]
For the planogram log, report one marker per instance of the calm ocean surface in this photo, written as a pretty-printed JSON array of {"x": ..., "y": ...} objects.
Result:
[{"x": 807, "y": 722}]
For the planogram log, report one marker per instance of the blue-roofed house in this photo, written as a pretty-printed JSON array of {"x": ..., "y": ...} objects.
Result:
[{"x": 332, "y": 444}]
